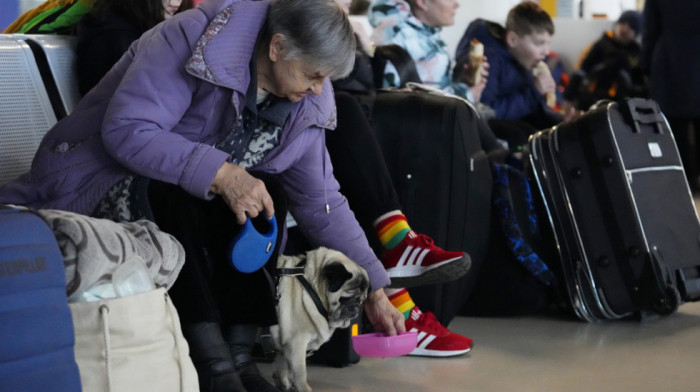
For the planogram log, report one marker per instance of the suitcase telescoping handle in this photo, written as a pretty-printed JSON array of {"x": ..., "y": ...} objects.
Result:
[{"x": 645, "y": 112}]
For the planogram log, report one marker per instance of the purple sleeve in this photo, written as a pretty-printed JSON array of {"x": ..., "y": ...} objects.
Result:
[
  {"x": 154, "y": 94},
  {"x": 310, "y": 185}
]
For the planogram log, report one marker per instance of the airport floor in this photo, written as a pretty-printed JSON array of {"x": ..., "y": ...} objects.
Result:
[
  {"x": 548, "y": 353},
  {"x": 540, "y": 354}
]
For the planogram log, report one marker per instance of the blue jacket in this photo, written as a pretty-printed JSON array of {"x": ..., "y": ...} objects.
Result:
[
  {"x": 159, "y": 112},
  {"x": 510, "y": 90}
]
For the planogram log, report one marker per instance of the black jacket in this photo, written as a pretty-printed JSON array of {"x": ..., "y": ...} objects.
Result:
[
  {"x": 671, "y": 55},
  {"x": 609, "y": 70},
  {"x": 101, "y": 43}
]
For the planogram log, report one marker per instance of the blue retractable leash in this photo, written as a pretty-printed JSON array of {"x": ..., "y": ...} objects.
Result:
[{"x": 250, "y": 250}]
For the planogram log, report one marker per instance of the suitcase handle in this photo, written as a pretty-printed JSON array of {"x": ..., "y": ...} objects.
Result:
[{"x": 645, "y": 111}]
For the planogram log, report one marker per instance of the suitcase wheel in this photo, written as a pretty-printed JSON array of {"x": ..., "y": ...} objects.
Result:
[{"x": 668, "y": 304}]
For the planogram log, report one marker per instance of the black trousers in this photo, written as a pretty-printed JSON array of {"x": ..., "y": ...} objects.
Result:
[
  {"x": 686, "y": 131},
  {"x": 359, "y": 166},
  {"x": 209, "y": 289}
]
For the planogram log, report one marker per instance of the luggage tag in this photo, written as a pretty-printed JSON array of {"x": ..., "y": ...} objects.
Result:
[{"x": 250, "y": 250}]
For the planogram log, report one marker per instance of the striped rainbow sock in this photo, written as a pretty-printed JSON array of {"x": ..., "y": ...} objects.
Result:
[
  {"x": 403, "y": 302},
  {"x": 392, "y": 230}
]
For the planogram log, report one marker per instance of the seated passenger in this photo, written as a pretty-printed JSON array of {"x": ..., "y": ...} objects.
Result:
[
  {"x": 610, "y": 68},
  {"x": 410, "y": 258},
  {"x": 107, "y": 31},
  {"x": 216, "y": 115},
  {"x": 419, "y": 34},
  {"x": 359, "y": 166},
  {"x": 514, "y": 51}
]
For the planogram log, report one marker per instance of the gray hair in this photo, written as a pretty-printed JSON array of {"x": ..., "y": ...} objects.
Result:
[{"x": 317, "y": 32}]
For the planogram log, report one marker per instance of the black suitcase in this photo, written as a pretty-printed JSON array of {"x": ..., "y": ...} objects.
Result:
[
  {"x": 442, "y": 176},
  {"x": 621, "y": 210}
]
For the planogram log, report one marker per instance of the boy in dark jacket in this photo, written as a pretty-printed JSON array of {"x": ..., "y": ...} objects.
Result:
[{"x": 514, "y": 51}]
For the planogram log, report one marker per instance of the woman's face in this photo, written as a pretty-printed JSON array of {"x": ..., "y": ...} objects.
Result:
[
  {"x": 170, "y": 7},
  {"x": 295, "y": 79},
  {"x": 440, "y": 13}
]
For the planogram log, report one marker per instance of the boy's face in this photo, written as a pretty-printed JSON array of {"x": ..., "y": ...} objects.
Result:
[
  {"x": 528, "y": 49},
  {"x": 438, "y": 13},
  {"x": 624, "y": 33}
]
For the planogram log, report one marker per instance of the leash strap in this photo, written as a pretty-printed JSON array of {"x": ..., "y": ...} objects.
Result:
[{"x": 298, "y": 272}]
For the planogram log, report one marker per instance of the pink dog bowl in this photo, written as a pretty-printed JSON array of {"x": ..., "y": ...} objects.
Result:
[{"x": 379, "y": 345}]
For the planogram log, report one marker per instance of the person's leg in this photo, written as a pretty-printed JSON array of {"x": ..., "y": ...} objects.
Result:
[
  {"x": 515, "y": 133},
  {"x": 241, "y": 332},
  {"x": 413, "y": 259},
  {"x": 695, "y": 131},
  {"x": 685, "y": 140},
  {"x": 209, "y": 293},
  {"x": 358, "y": 164},
  {"x": 185, "y": 217},
  {"x": 364, "y": 179},
  {"x": 434, "y": 340}
]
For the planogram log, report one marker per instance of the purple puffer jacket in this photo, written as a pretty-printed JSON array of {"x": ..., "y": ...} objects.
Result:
[{"x": 159, "y": 112}]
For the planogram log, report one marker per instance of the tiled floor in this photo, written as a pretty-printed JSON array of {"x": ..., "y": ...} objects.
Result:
[{"x": 541, "y": 354}]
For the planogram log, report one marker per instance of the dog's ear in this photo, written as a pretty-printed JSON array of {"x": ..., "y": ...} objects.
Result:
[{"x": 336, "y": 275}]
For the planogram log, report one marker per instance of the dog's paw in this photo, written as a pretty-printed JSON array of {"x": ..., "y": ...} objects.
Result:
[
  {"x": 282, "y": 382},
  {"x": 303, "y": 387}
]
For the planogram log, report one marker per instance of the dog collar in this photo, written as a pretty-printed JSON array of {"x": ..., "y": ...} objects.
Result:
[{"x": 298, "y": 272}]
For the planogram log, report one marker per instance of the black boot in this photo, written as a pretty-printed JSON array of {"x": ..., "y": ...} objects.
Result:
[
  {"x": 241, "y": 338},
  {"x": 212, "y": 358}
]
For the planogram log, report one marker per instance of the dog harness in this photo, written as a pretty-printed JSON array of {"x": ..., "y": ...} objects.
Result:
[{"x": 298, "y": 272}]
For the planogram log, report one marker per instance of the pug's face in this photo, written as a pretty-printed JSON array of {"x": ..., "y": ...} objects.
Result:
[{"x": 345, "y": 285}]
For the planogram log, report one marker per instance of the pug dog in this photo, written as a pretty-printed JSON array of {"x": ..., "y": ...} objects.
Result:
[{"x": 341, "y": 286}]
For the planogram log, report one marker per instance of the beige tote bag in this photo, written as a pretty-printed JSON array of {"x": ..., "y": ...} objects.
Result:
[{"x": 132, "y": 344}]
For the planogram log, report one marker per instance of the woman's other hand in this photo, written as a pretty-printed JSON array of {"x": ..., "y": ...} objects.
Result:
[
  {"x": 243, "y": 193},
  {"x": 383, "y": 315}
]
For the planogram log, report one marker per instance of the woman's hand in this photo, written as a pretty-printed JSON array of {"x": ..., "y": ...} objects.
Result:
[
  {"x": 243, "y": 193},
  {"x": 383, "y": 315}
]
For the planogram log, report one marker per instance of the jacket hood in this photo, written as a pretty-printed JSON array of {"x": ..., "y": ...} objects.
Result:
[{"x": 491, "y": 34}]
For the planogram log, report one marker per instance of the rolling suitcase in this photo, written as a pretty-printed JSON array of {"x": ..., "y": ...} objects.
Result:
[
  {"x": 622, "y": 213},
  {"x": 36, "y": 328},
  {"x": 442, "y": 176}
]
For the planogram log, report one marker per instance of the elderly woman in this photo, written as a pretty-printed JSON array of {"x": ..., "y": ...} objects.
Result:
[{"x": 216, "y": 114}]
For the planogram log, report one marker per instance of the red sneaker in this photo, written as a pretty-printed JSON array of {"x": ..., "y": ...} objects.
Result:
[
  {"x": 434, "y": 340},
  {"x": 416, "y": 261}
]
